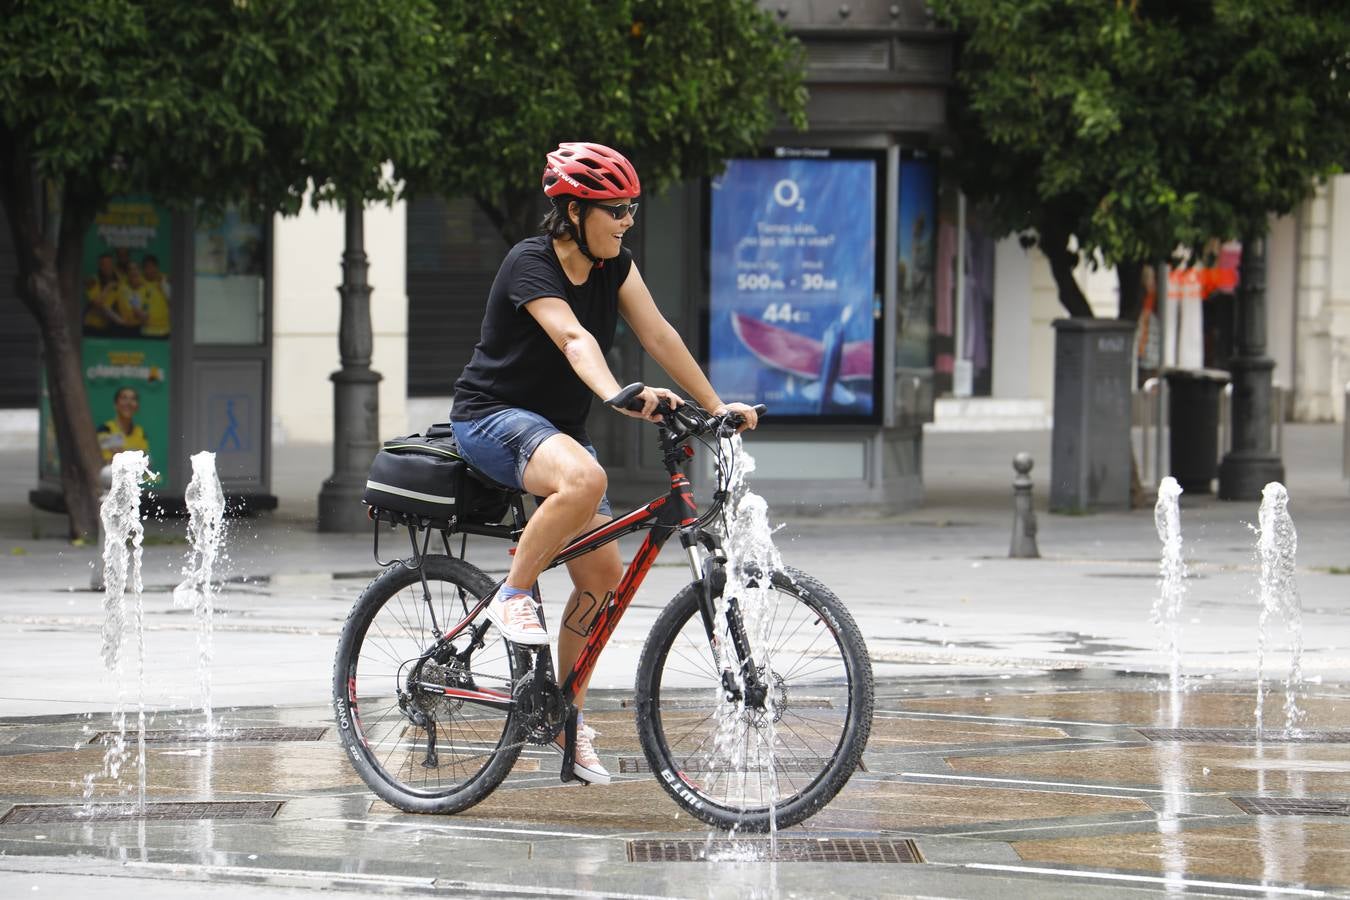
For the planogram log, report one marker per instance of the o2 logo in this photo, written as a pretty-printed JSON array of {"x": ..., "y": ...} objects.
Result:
[{"x": 787, "y": 193}]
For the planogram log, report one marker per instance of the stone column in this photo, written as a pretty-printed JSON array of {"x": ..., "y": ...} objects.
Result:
[
  {"x": 1252, "y": 463},
  {"x": 356, "y": 391}
]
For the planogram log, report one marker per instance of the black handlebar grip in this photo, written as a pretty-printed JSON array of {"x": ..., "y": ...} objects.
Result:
[{"x": 625, "y": 398}]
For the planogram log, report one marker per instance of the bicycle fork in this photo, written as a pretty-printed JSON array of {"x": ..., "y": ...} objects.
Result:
[{"x": 711, "y": 573}]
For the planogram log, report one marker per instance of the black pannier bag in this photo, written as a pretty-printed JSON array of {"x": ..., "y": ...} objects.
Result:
[{"x": 424, "y": 476}]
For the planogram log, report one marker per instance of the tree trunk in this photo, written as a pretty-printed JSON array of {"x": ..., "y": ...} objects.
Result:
[
  {"x": 48, "y": 255},
  {"x": 1131, "y": 278},
  {"x": 1054, "y": 241}
]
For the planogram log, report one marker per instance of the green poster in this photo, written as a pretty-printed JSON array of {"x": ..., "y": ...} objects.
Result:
[
  {"x": 125, "y": 279},
  {"x": 127, "y": 381},
  {"x": 126, "y": 271}
]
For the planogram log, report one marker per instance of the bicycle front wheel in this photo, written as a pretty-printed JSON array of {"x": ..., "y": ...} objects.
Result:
[
  {"x": 736, "y": 766},
  {"x": 418, "y": 748}
]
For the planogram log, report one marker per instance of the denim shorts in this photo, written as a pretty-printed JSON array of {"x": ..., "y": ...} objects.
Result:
[{"x": 500, "y": 446}]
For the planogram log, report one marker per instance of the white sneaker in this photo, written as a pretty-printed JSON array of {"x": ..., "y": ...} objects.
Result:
[
  {"x": 516, "y": 619},
  {"x": 585, "y": 761}
]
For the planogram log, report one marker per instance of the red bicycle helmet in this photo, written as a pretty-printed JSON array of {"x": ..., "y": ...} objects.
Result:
[{"x": 589, "y": 172}]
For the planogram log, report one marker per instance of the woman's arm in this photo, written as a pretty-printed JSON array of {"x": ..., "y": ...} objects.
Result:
[
  {"x": 660, "y": 339},
  {"x": 582, "y": 351}
]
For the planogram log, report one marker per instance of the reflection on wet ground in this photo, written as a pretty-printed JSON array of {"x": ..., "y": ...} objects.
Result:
[{"x": 1031, "y": 786}]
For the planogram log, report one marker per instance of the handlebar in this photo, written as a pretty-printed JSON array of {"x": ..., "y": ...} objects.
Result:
[{"x": 689, "y": 419}]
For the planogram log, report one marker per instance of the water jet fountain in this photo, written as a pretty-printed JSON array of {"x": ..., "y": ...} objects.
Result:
[
  {"x": 206, "y": 532},
  {"x": 1172, "y": 584},
  {"x": 1276, "y": 549},
  {"x": 124, "y": 534}
]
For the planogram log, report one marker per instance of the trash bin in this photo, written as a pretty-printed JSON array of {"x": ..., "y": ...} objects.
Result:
[
  {"x": 1193, "y": 397},
  {"x": 1090, "y": 443}
]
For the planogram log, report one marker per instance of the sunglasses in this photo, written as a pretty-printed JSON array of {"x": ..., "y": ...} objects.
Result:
[{"x": 618, "y": 212}]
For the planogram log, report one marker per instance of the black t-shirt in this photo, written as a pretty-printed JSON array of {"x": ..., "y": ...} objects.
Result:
[{"x": 516, "y": 364}]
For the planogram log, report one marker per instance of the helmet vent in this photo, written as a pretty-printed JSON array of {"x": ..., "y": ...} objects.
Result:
[{"x": 589, "y": 181}]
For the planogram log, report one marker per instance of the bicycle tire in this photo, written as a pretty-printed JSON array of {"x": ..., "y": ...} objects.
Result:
[
  {"x": 676, "y": 753},
  {"x": 382, "y": 743}
]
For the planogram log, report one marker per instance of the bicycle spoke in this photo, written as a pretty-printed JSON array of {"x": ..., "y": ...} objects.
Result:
[
  {"x": 771, "y": 761},
  {"x": 421, "y": 743}
]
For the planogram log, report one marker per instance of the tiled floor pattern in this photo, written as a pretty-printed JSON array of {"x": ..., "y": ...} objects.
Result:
[{"x": 1039, "y": 772}]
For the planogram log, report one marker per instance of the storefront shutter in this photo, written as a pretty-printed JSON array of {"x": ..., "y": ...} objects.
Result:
[{"x": 453, "y": 255}]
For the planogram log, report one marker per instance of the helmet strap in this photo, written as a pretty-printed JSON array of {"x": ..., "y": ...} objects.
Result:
[{"x": 578, "y": 231}]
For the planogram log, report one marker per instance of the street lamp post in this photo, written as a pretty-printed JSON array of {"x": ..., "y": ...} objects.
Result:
[
  {"x": 1252, "y": 463},
  {"x": 356, "y": 391}
]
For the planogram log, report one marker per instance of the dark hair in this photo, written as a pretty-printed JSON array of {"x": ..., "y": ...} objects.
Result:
[
  {"x": 149, "y": 258},
  {"x": 126, "y": 387},
  {"x": 556, "y": 224}
]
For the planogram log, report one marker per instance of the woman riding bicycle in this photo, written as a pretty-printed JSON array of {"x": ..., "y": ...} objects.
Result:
[{"x": 520, "y": 405}]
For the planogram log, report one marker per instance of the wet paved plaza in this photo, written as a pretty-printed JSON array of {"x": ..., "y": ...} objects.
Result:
[
  {"x": 1051, "y": 784},
  {"x": 1024, "y": 744}
]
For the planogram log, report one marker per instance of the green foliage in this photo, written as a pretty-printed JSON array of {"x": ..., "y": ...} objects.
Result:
[
  {"x": 253, "y": 100},
  {"x": 1136, "y": 127},
  {"x": 677, "y": 85}
]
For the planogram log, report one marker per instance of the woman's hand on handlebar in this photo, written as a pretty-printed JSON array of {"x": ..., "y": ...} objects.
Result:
[
  {"x": 651, "y": 398},
  {"x": 749, "y": 414}
]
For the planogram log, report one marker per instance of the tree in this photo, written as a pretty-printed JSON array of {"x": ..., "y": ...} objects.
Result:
[
  {"x": 1118, "y": 132},
  {"x": 678, "y": 85},
  {"x": 249, "y": 102}
]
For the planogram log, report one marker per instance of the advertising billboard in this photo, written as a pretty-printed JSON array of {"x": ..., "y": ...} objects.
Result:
[
  {"x": 795, "y": 302},
  {"x": 126, "y": 324}
]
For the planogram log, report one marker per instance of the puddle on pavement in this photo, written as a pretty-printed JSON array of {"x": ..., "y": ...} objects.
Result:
[
  {"x": 1272, "y": 851},
  {"x": 1202, "y": 709},
  {"x": 996, "y": 760}
]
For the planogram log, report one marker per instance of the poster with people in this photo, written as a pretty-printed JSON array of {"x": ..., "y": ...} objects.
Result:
[
  {"x": 127, "y": 323},
  {"x": 125, "y": 273},
  {"x": 794, "y": 295},
  {"x": 129, "y": 397}
]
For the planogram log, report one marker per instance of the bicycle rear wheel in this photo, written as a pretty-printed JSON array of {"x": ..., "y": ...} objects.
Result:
[
  {"x": 734, "y": 766},
  {"x": 418, "y": 749}
]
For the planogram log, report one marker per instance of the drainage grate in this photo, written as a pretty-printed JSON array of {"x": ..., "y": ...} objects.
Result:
[
  {"x": 41, "y": 814},
  {"x": 863, "y": 850},
  {"x": 233, "y": 735},
  {"x": 1242, "y": 736},
  {"x": 704, "y": 703},
  {"x": 632, "y": 765},
  {"x": 1291, "y": 806}
]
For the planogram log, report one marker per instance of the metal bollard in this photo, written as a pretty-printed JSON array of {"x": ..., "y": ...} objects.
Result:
[
  {"x": 96, "y": 573},
  {"x": 1024, "y": 516}
]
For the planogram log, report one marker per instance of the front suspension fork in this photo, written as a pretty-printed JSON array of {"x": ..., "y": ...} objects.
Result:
[{"x": 711, "y": 573}]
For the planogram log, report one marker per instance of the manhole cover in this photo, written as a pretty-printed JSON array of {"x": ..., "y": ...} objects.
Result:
[
  {"x": 41, "y": 814},
  {"x": 232, "y": 735},
  {"x": 635, "y": 764},
  {"x": 864, "y": 850},
  {"x": 706, "y": 703},
  {"x": 1291, "y": 806},
  {"x": 1242, "y": 736}
]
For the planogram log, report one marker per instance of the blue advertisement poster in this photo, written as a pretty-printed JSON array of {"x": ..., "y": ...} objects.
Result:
[{"x": 794, "y": 295}]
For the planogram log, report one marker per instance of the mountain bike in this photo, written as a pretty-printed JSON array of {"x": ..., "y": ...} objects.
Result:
[{"x": 754, "y": 689}]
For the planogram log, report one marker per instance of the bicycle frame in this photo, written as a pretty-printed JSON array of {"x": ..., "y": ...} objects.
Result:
[{"x": 661, "y": 517}]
